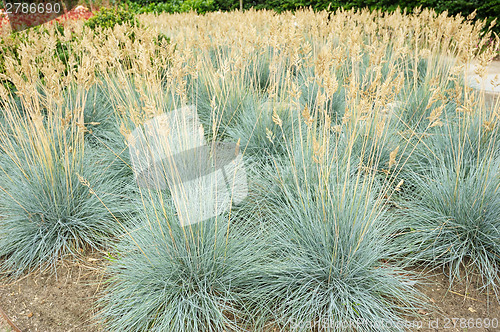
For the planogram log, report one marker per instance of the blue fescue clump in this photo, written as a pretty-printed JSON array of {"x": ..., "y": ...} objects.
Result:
[
  {"x": 57, "y": 199},
  {"x": 47, "y": 213},
  {"x": 172, "y": 278},
  {"x": 452, "y": 220},
  {"x": 451, "y": 214},
  {"x": 333, "y": 245}
]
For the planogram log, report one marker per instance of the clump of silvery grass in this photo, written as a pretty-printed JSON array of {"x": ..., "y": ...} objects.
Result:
[
  {"x": 258, "y": 71},
  {"x": 452, "y": 220},
  {"x": 180, "y": 267},
  {"x": 171, "y": 278},
  {"x": 101, "y": 123},
  {"x": 451, "y": 215},
  {"x": 265, "y": 130},
  {"x": 47, "y": 209},
  {"x": 220, "y": 101},
  {"x": 458, "y": 143},
  {"x": 102, "y": 131},
  {"x": 333, "y": 249}
]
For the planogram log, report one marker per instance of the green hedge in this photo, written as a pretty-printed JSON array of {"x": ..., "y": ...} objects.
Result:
[
  {"x": 172, "y": 6},
  {"x": 109, "y": 17}
]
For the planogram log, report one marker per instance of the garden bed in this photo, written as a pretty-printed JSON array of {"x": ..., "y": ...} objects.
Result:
[{"x": 249, "y": 172}]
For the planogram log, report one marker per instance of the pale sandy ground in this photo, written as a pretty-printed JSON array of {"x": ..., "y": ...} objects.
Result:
[{"x": 490, "y": 83}]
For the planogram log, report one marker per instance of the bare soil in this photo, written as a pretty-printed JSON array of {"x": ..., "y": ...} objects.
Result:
[
  {"x": 66, "y": 302},
  {"x": 45, "y": 302},
  {"x": 460, "y": 307}
]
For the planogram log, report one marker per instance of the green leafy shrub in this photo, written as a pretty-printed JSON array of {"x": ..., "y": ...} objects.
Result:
[
  {"x": 176, "y": 6},
  {"x": 109, "y": 17},
  {"x": 153, "y": 7},
  {"x": 199, "y": 6}
]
